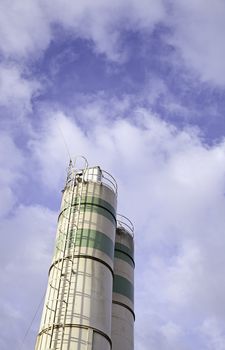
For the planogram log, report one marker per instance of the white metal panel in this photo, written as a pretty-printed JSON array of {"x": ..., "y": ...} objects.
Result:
[{"x": 122, "y": 328}]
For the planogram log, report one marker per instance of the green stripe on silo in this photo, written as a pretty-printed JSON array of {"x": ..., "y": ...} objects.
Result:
[
  {"x": 94, "y": 239},
  {"x": 96, "y": 201},
  {"x": 123, "y": 248},
  {"x": 95, "y": 204},
  {"x": 123, "y": 286},
  {"x": 90, "y": 239},
  {"x": 96, "y": 209},
  {"x": 123, "y": 256}
]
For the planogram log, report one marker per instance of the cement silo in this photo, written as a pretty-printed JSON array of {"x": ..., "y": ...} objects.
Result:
[
  {"x": 77, "y": 311},
  {"x": 123, "y": 287}
]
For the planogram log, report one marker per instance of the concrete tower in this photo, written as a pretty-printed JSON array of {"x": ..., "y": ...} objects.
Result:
[{"x": 77, "y": 312}]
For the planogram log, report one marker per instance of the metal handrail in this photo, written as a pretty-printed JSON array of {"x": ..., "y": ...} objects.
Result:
[
  {"x": 124, "y": 223},
  {"x": 106, "y": 178},
  {"x": 109, "y": 181},
  {"x": 76, "y": 159}
]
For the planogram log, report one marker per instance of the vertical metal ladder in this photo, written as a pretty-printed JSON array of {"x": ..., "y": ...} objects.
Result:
[{"x": 60, "y": 286}]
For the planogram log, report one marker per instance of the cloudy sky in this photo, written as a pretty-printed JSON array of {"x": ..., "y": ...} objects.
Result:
[{"x": 138, "y": 88}]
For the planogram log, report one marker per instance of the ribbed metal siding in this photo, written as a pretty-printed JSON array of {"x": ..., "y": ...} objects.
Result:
[
  {"x": 86, "y": 245},
  {"x": 123, "y": 292}
]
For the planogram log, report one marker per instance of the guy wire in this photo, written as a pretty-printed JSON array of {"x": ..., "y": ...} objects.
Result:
[
  {"x": 30, "y": 325},
  {"x": 63, "y": 138}
]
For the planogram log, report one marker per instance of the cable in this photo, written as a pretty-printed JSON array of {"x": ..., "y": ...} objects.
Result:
[
  {"x": 30, "y": 325},
  {"x": 63, "y": 138}
]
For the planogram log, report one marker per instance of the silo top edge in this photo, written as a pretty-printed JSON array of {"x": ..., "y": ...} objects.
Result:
[
  {"x": 91, "y": 174},
  {"x": 125, "y": 224}
]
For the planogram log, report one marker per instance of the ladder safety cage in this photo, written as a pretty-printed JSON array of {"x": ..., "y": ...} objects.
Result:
[
  {"x": 61, "y": 290},
  {"x": 71, "y": 241}
]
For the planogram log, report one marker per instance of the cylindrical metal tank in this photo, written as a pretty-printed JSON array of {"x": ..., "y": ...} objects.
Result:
[
  {"x": 77, "y": 309},
  {"x": 123, "y": 287}
]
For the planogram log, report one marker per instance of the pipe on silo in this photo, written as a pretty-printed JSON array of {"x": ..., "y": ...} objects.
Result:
[{"x": 123, "y": 288}]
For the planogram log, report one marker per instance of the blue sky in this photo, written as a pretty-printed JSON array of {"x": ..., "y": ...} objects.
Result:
[{"x": 138, "y": 88}]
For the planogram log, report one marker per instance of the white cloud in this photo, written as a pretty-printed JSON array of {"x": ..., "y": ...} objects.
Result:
[
  {"x": 102, "y": 21},
  {"x": 197, "y": 28},
  {"x": 199, "y": 34},
  {"x": 24, "y": 29},
  {"x": 11, "y": 172},
  {"x": 99, "y": 21},
  {"x": 26, "y": 248},
  {"x": 16, "y": 90},
  {"x": 214, "y": 333},
  {"x": 49, "y": 151}
]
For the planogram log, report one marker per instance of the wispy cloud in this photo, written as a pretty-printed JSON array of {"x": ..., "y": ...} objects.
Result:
[
  {"x": 198, "y": 29},
  {"x": 16, "y": 89}
]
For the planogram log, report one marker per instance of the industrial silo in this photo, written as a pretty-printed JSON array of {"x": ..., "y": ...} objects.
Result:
[
  {"x": 78, "y": 305},
  {"x": 123, "y": 287}
]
